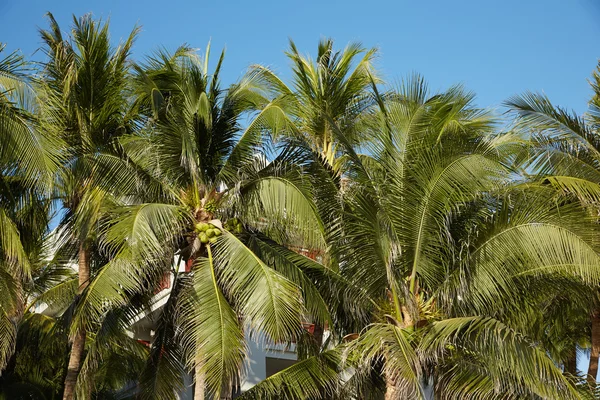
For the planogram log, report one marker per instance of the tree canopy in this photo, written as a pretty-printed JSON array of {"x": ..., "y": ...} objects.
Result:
[{"x": 436, "y": 249}]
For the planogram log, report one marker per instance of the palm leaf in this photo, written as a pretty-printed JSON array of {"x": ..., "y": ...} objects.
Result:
[
  {"x": 270, "y": 303},
  {"x": 213, "y": 341}
]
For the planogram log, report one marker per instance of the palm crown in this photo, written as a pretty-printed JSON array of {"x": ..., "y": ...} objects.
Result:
[
  {"x": 441, "y": 243},
  {"x": 564, "y": 155},
  {"x": 211, "y": 199},
  {"x": 328, "y": 93},
  {"x": 28, "y": 159}
]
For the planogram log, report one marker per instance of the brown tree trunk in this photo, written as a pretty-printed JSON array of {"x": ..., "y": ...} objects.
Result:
[
  {"x": 391, "y": 392},
  {"x": 318, "y": 335},
  {"x": 407, "y": 319},
  {"x": 78, "y": 345},
  {"x": 199, "y": 384},
  {"x": 571, "y": 362},
  {"x": 593, "y": 368}
]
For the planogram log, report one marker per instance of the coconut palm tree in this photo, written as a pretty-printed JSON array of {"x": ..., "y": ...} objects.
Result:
[
  {"x": 565, "y": 155},
  {"x": 112, "y": 360},
  {"x": 37, "y": 369},
  {"x": 442, "y": 241},
  {"x": 28, "y": 158},
  {"x": 328, "y": 93},
  {"x": 217, "y": 205},
  {"x": 335, "y": 91},
  {"x": 83, "y": 85}
]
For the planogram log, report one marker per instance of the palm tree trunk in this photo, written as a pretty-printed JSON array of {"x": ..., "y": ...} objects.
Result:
[
  {"x": 78, "y": 346},
  {"x": 593, "y": 368},
  {"x": 391, "y": 392},
  {"x": 318, "y": 335},
  {"x": 199, "y": 385}
]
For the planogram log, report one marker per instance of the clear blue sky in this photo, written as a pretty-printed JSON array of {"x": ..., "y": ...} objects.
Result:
[{"x": 496, "y": 48}]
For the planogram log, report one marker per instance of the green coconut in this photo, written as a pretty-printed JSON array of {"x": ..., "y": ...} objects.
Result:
[
  {"x": 210, "y": 232},
  {"x": 202, "y": 226},
  {"x": 213, "y": 239},
  {"x": 217, "y": 232},
  {"x": 203, "y": 238}
]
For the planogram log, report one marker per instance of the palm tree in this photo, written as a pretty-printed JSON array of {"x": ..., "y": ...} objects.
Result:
[
  {"x": 37, "y": 370},
  {"x": 216, "y": 204},
  {"x": 83, "y": 85},
  {"x": 442, "y": 241},
  {"x": 331, "y": 92},
  {"x": 566, "y": 155},
  {"x": 28, "y": 158}
]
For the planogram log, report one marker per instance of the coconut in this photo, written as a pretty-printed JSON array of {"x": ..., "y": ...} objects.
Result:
[
  {"x": 217, "y": 232},
  {"x": 203, "y": 238},
  {"x": 213, "y": 239},
  {"x": 210, "y": 232},
  {"x": 201, "y": 226}
]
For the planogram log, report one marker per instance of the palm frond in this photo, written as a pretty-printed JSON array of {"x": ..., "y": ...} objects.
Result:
[
  {"x": 393, "y": 346},
  {"x": 316, "y": 377},
  {"x": 507, "y": 354},
  {"x": 213, "y": 341},
  {"x": 270, "y": 303}
]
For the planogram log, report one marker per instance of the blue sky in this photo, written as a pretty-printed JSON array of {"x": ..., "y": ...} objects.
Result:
[{"x": 495, "y": 48}]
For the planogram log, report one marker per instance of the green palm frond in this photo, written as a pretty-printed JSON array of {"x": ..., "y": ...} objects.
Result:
[
  {"x": 469, "y": 379},
  {"x": 270, "y": 303},
  {"x": 39, "y": 338},
  {"x": 12, "y": 247},
  {"x": 271, "y": 117},
  {"x": 507, "y": 355},
  {"x": 59, "y": 296},
  {"x": 333, "y": 87},
  {"x": 213, "y": 341},
  {"x": 314, "y": 378},
  {"x": 285, "y": 205},
  {"x": 539, "y": 114},
  {"x": 26, "y": 150},
  {"x": 8, "y": 335},
  {"x": 110, "y": 348},
  {"x": 586, "y": 190},
  {"x": 143, "y": 230},
  {"x": 564, "y": 148},
  {"x": 538, "y": 238},
  {"x": 394, "y": 347}
]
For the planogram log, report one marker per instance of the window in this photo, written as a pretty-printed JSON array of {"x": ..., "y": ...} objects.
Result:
[{"x": 274, "y": 365}]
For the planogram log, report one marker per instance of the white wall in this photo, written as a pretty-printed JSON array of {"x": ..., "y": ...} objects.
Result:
[{"x": 256, "y": 370}]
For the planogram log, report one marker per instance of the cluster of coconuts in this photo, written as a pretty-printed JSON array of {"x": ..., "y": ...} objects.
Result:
[
  {"x": 234, "y": 225},
  {"x": 207, "y": 232}
]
